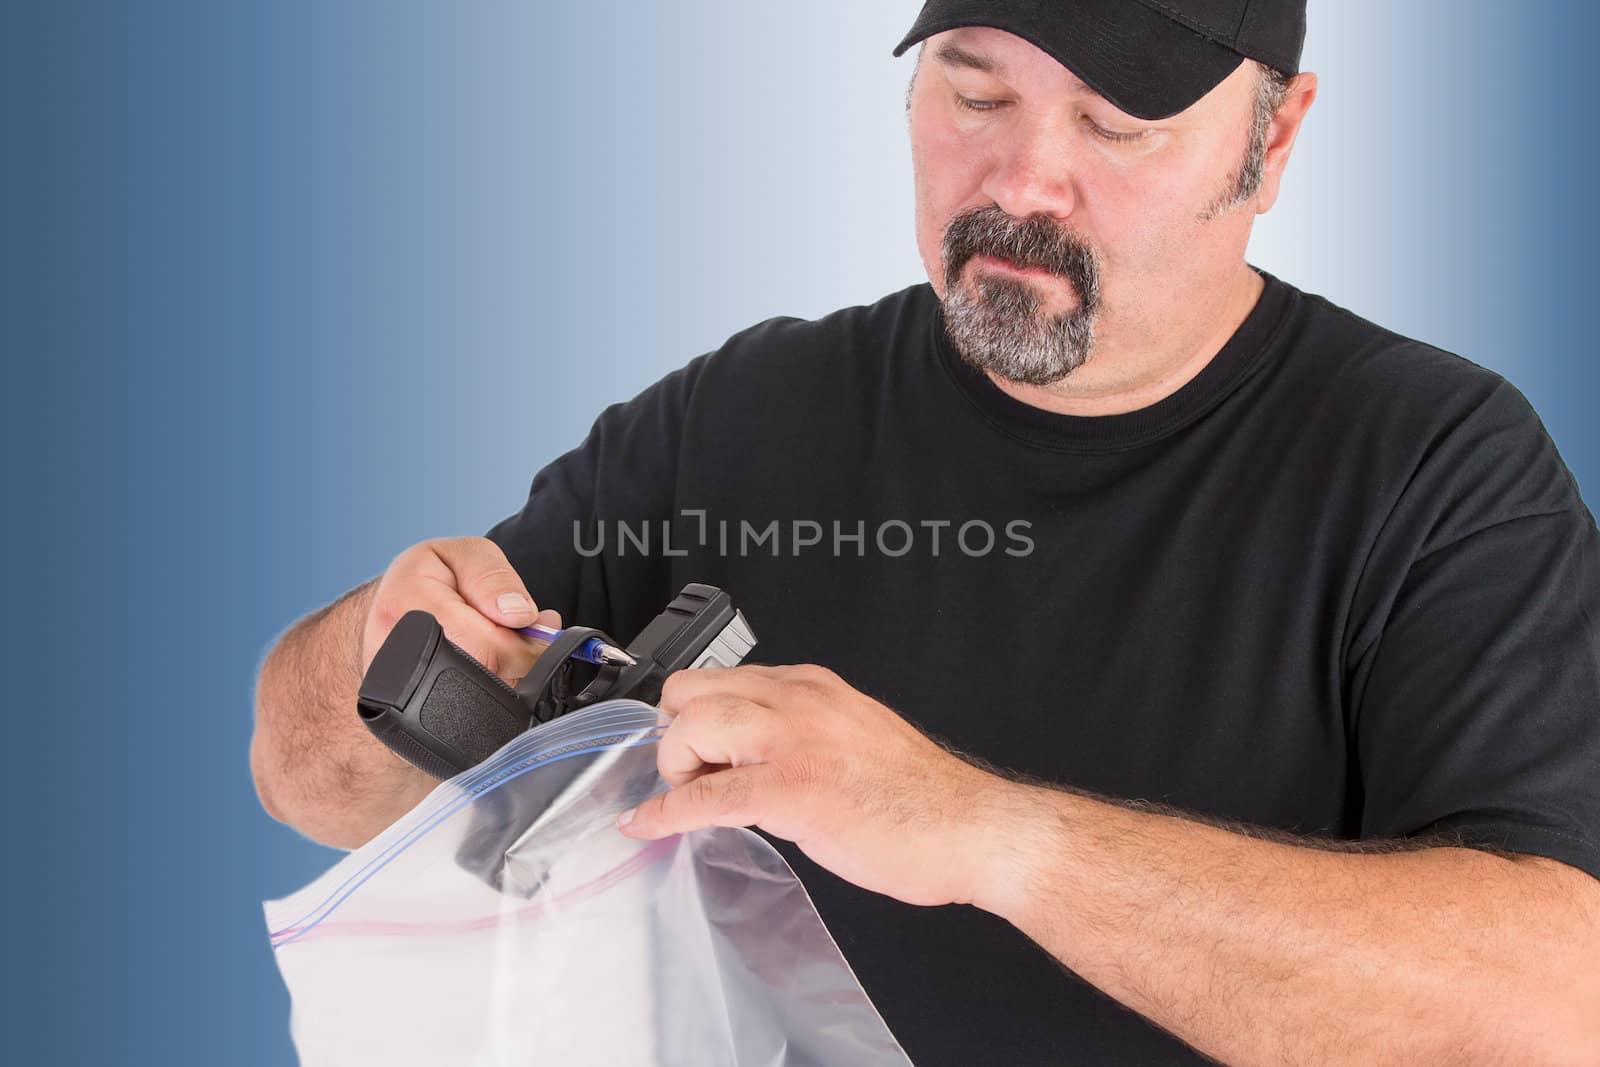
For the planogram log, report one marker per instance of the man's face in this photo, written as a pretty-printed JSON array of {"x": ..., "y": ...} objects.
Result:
[{"x": 1051, "y": 224}]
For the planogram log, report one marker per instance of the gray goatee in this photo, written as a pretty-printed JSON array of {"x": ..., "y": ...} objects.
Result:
[{"x": 997, "y": 327}]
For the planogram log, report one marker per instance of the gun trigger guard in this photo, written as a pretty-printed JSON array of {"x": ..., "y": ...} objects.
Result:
[{"x": 547, "y": 688}]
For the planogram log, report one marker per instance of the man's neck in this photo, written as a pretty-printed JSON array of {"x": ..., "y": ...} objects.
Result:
[{"x": 1157, "y": 378}]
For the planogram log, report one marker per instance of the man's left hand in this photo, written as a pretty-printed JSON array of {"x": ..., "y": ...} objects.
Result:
[{"x": 800, "y": 754}]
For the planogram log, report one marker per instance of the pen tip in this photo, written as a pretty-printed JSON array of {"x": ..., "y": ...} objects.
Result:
[{"x": 616, "y": 657}]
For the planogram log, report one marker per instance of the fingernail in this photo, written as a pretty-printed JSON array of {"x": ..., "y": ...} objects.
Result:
[
  {"x": 626, "y": 817},
  {"x": 511, "y": 603}
]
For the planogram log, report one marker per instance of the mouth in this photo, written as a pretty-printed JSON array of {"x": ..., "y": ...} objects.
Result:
[{"x": 1005, "y": 266}]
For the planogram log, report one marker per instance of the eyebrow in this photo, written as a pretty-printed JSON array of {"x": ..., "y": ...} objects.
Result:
[{"x": 953, "y": 55}]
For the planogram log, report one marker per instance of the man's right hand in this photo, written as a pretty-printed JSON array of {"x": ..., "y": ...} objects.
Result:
[
  {"x": 470, "y": 587},
  {"x": 316, "y": 766}
]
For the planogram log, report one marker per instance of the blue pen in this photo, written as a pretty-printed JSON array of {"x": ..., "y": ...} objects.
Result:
[{"x": 593, "y": 650}]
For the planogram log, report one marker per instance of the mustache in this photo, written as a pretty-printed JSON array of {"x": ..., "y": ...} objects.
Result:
[{"x": 1034, "y": 242}]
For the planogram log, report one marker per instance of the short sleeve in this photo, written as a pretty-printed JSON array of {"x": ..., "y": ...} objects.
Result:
[
  {"x": 580, "y": 540},
  {"x": 1476, "y": 706}
]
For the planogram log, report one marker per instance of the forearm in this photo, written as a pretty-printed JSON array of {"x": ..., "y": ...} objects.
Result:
[
  {"x": 1256, "y": 951},
  {"x": 315, "y": 766}
]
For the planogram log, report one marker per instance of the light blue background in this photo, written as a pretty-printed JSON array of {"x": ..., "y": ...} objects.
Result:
[{"x": 293, "y": 285}]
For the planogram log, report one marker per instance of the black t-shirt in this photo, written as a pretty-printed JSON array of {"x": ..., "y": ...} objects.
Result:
[{"x": 1340, "y": 583}]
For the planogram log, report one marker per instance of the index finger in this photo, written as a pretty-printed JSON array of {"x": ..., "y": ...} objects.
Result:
[{"x": 750, "y": 682}]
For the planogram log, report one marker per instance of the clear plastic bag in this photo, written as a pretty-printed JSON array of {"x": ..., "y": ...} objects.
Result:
[{"x": 505, "y": 920}]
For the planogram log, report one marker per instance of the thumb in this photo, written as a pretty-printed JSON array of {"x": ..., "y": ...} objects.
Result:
[
  {"x": 488, "y": 582},
  {"x": 738, "y": 796}
]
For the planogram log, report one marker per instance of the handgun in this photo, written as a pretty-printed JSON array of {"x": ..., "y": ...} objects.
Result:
[{"x": 444, "y": 712}]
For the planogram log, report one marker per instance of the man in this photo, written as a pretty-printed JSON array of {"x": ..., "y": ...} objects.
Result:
[{"x": 1262, "y": 642}]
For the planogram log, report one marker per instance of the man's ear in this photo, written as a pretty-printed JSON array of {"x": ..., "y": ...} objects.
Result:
[{"x": 1280, "y": 137}]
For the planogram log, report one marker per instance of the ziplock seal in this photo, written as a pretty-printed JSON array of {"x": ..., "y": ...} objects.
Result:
[{"x": 292, "y": 932}]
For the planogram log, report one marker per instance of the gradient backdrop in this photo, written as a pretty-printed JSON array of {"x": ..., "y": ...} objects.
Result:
[{"x": 293, "y": 285}]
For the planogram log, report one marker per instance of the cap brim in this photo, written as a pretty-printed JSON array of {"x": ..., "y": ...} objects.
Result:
[{"x": 1140, "y": 60}]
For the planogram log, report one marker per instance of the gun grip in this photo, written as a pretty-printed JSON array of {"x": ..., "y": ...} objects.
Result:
[{"x": 432, "y": 704}]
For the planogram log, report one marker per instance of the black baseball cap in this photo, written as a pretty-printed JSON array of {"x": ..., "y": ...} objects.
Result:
[{"x": 1150, "y": 58}]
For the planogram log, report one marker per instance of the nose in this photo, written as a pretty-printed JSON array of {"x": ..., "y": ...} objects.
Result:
[{"x": 1032, "y": 171}]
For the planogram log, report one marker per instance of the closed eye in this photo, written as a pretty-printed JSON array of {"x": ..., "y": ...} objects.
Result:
[
  {"x": 969, "y": 103},
  {"x": 972, "y": 104},
  {"x": 1114, "y": 136}
]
